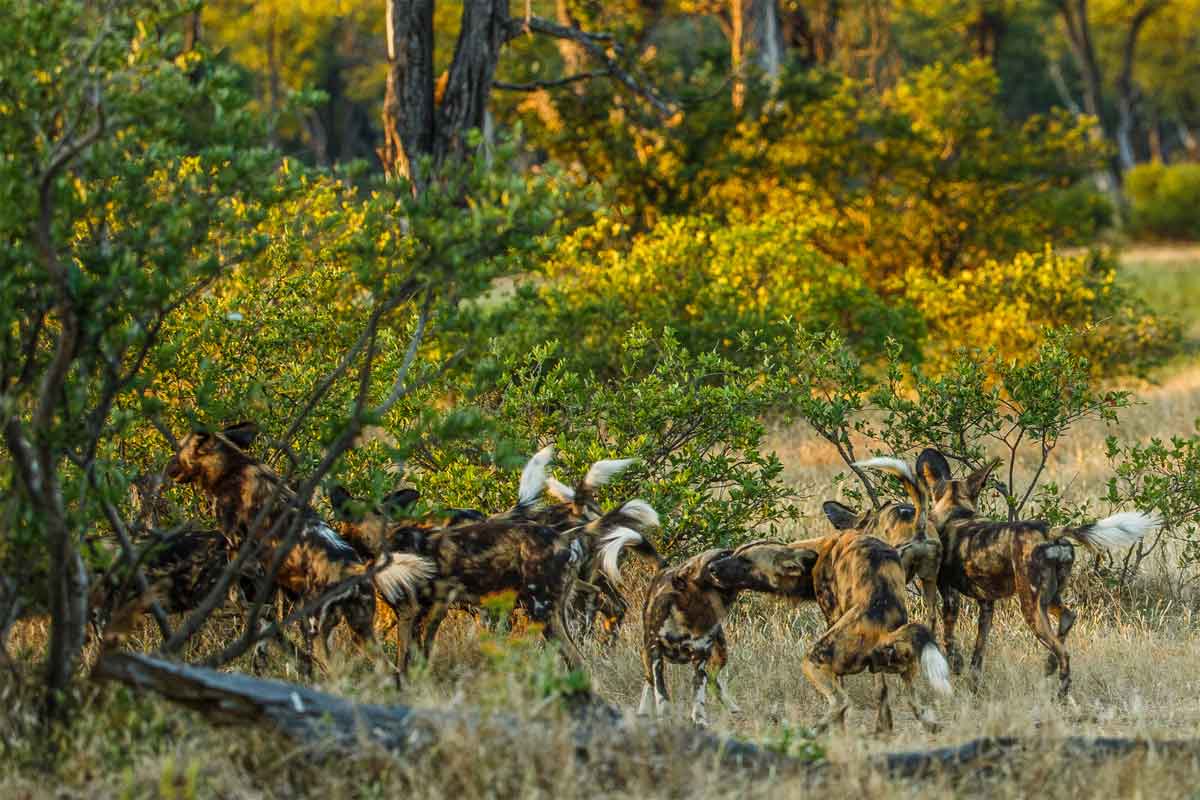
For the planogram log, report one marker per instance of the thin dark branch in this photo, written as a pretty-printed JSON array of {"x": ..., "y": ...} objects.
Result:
[
  {"x": 589, "y": 43},
  {"x": 534, "y": 86}
]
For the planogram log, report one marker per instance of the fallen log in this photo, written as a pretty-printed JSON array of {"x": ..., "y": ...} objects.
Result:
[
  {"x": 332, "y": 724},
  {"x": 603, "y": 735}
]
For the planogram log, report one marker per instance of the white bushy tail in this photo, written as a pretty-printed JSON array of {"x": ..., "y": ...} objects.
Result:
[
  {"x": 1118, "y": 531},
  {"x": 641, "y": 512},
  {"x": 609, "y": 553},
  {"x": 936, "y": 669},
  {"x": 893, "y": 466},
  {"x": 603, "y": 471},
  {"x": 533, "y": 477},
  {"x": 399, "y": 575}
]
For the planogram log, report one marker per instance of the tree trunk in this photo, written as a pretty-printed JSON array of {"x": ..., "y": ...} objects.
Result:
[
  {"x": 756, "y": 38},
  {"x": 737, "y": 45},
  {"x": 571, "y": 52},
  {"x": 464, "y": 104},
  {"x": 408, "y": 112},
  {"x": 1074, "y": 14},
  {"x": 1126, "y": 90},
  {"x": 67, "y": 589}
]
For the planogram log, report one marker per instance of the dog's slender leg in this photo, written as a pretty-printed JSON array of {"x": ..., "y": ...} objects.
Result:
[
  {"x": 929, "y": 590},
  {"x": 986, "y": 609},
  {"x": 1037, "y": 592},
  {"x": 699, "y": 691},
  {"x": 1066, "y": 617},
  {"x": 822, "y": 678},
  {"x": 645, "y": 707},
  {"x": 949, "y": 621},
  {"x": 716, "y": 670},
  {"x": 662, "y": 701},
  {"x": 923, "y": 713},
  {"x": 433, "y": 621},
  {"x": 883, "y": 713}
]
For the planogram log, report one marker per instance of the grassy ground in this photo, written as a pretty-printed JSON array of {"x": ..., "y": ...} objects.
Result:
[{"x": 1133, "y": 659}]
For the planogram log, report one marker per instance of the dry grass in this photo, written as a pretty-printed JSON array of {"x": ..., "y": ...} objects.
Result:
[
  {"x": 1134, "y": 665},
  {"x": 1133, "y": 661}
]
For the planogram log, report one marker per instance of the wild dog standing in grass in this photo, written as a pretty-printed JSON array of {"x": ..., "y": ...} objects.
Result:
[
  {"x": 515, "y": 552},
  {"x": 905, "y": 527},
  {"x": 540, "y": 564},
  {"x": 859, "y": 582},
  {"x": 251, "y": 502},
  {"x": 989, "y": 561},
  {"x": 685, "y": 609},
  {"x": 598, "y": 598}
]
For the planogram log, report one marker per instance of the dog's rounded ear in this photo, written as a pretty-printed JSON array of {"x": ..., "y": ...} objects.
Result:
[
  {"x": 798, "y": 562},
  {"x": 978, "y": 479},
  {"x": 839, "y": 515},
  {"x": 933, "y": 467},
  {"x": 242, "y": 434},
  {"x": 399, "y": 500}
]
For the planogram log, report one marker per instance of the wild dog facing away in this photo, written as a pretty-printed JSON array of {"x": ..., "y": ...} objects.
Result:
[
  {"x": 686, "y": 606},
  {"x": 598, "y": 596},
  {"x": 251, "y": 502},
  {"x": 859, "y": 585},
  {"x": 514, "y": 551},
  {"x": 989, "y": 561}
]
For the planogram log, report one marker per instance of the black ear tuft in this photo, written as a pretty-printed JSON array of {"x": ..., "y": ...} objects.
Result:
[
  {"x": 339, "y": 497},
  {"x": 842, "y": 517},
  {"x": 242, "y": 434},
  {"x": 399, "y": 500},
  {"x": 932, "y": 466}
]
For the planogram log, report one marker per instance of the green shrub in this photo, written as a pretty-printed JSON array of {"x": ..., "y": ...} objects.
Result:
[
  {"x": 707, "y": 281},
  {"x": 1164, "y": 200},
  {"x": 693, "y": 421}
]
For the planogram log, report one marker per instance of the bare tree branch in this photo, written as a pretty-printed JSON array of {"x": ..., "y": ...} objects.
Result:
[
  {"x": 537, "y": 85},
  {"x": 590, "y": 43}
]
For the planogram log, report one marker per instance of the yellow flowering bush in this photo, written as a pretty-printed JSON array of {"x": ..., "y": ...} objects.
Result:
[
  {"x": 1008, "y": 305},
  {"x": 711, "y": 283}
]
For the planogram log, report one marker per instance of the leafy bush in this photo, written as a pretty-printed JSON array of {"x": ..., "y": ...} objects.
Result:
[
  {"x": 1164, "y": 476},
  {"x": 1006, "y": 306},
  {"x": 1164, "y": 200},
  {"x": 707, "y": 281},
  {"x": 694, "y": 422},
  {"x": 980, "y": 405}
]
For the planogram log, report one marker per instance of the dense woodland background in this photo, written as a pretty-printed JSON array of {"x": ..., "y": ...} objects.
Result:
[{"x": 745, "y": 242}]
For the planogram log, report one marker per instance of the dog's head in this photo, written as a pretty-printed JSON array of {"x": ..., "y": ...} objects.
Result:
[
  {"x": 950, "y": 498},
  {"x": 763, "y": 567},
  {"x": 894, "y": 521},
  {"x": 205, "y": 456}
]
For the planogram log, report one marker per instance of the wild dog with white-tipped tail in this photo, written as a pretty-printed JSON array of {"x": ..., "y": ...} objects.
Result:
[
  {"x": 989, "y": 561},
  {"x": 252, "y": 502},
  {"x": 599, "y": 597},
  {"x": 859, "y": 584},
  {"x": 686, "y": 607}
]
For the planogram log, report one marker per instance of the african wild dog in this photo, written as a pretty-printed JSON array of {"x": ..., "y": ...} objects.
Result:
[
  {"x": 989, "y": 561},
  {"x": 859, "y": 584},
  {"x": 251, "y": 502},
  {"x": 540, "y": 564},
  {"x": 685, "y": 609},
  {"x": 600, "y": 599},
  {"x": 901, "y": 526},
  {"x": 514, "y": 552}
]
